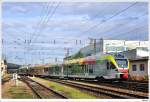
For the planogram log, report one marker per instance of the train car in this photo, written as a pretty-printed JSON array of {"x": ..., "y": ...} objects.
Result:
[
  {"x": 106, "y": 66},
  {"x": 41, "y": 70},
  {"x": 22, "y": 71},
  {"x": 32, "y": 71},
  {"x": 98, "y": 67}
]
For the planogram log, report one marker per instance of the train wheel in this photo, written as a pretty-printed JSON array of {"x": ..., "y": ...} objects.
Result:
[{"x": 100, "y": 78}]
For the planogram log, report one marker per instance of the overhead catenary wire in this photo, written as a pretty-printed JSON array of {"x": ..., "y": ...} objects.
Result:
[
  {"x": 47, "y": 10},
  {"x": 67, "y": 42},
  {"x": 48, "y": 16},
  {"x": 113, "y": 16},
  {"x": 46, "y": 21},
  {"x": 121, "y": 25},
  {"x": 76, "y": 42},
  {"x": 128, "y": 32},
  {"x": 36, "y": 35}
]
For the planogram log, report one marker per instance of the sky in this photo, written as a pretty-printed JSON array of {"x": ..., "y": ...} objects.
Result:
[{"x": 35, "y": 33}]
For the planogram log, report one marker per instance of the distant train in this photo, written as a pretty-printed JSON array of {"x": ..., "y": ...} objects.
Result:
[{"x": 100, "y": 66}]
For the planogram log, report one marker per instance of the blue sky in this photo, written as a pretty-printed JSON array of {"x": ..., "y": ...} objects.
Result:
[{"x": 42, "y": 23}]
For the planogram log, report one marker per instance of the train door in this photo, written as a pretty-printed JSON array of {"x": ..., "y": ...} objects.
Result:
[
  {"x": 46, "y": 71},
  {"x": 108, "y": 67},
  {"x": 111, "y": 70},
  {"x": 91, "y": 69},
  {"x": 62, "y": 70},
  {"x": 86, "y": 69}
]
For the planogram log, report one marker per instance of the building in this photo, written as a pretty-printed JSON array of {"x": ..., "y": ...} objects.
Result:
[
  {"x": 3, "y": 67},
  {"x": 139, "y": 52},
  {"x": 138, "y": 67},
  {"x": 136, "y": 51},
  {"x": 111, "y": 46}
]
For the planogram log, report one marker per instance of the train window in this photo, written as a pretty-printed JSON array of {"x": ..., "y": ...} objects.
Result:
[
  {"x": 123, "y": 63},
  {"x": 112, "y": 66},
  {"x": 142, "y": 67},
  {"x": 134, "y": 67},
  {"x": 108, "y": 65},
  {"x": 91, "y": 69},
  {"x": 45, "y": 69}
]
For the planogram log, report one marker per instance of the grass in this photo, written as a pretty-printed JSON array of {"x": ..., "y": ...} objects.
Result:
[
  {"x": 6, "y": 77},
  {"x": 19, "y": 92},
  {"x": 70, "y": 92}
]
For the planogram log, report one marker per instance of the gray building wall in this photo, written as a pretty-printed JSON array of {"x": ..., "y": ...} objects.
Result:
[{"x": 136, "y": 53}]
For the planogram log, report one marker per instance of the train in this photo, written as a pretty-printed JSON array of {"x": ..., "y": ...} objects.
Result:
[{"x": 95, "y": 67}]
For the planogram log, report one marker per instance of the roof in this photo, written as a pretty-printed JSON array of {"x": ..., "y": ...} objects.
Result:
[{"x": 140, "y": 59}]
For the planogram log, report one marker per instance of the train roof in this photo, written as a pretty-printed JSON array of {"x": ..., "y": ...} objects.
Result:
[
  {"x": 40, "y": 66},
  {"x": 89, "y": 59},
  {"x": 86, "y": 60}
]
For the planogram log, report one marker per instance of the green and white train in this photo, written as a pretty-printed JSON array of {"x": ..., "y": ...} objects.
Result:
[{"x": 100, "y": 66}]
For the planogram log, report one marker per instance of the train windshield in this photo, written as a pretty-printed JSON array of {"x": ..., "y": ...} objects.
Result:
[{"x": 122, "y": 63}]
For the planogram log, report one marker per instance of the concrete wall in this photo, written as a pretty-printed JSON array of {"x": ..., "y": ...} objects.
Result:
[
  {"x": 109, "y": 46},
  {"x": 131, "y": 54},
  {"x": 127, "y": 45},
  {"x": 142, "y": 53},
  {"x": 135, "y": 53}
]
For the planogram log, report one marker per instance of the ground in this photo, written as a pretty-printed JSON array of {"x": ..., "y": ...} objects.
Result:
[
  {"x": 11, "y": 91},
  {"x": 72, "y": 93}
]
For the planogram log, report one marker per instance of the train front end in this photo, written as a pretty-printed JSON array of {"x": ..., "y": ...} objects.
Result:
[{"x": 123, "y": 68}]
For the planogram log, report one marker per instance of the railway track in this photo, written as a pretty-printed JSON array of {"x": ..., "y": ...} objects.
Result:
[
  {"x": 41, "y": 91},
  {"x": 135, "y": 86},
  {"x": 105, "y": 90}
]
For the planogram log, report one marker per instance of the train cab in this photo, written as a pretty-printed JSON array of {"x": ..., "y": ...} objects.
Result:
[{"x": 122, "y": 66}]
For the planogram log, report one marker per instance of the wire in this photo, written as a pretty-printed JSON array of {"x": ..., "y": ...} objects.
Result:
[
  {"x": 49, "y": 17},
  {"x": 138, "y": 28},
  {"x": 113, "y": 16},
  {"x": 44, "y": 22},
  {"x": 47, "y": 11},
  {"x": 121, "y": 25}
]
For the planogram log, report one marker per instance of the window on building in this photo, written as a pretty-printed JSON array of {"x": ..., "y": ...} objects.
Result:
[
  {"x": 141, "y": 67},
  {"x": 134, "y": 67}
]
